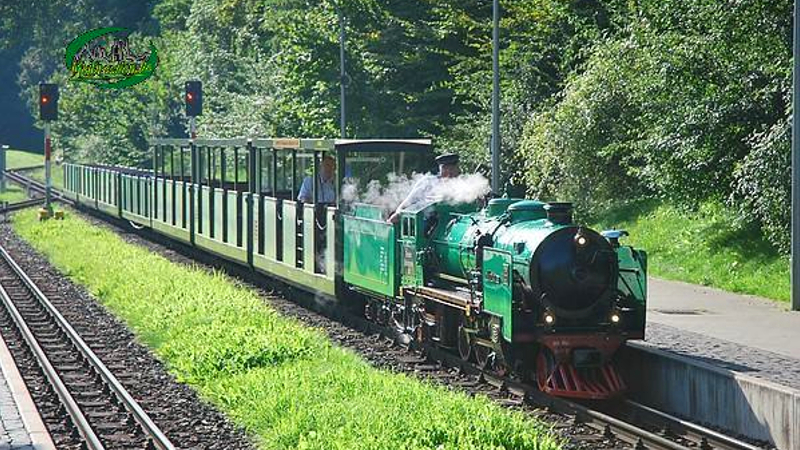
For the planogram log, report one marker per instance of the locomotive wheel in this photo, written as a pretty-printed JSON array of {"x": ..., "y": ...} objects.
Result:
[
  {"x": 483, "y": 355},
  {"x": 464, "y": 344},
  {"x": 369, "y": 311},
  {"x": 397, "y": 321}
]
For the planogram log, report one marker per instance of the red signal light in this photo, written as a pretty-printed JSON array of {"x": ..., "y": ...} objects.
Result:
[
  {"x": 194, "y": 98},
  {"x": 48, "y": 101}
]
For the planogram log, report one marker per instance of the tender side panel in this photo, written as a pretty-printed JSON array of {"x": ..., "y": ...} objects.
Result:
[{"x": 370, "y": 256}]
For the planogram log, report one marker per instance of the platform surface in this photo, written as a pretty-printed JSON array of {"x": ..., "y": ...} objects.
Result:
[
  {"x": 21, "y": 427},
  {"x": 741, "y": 333},
  {"x": 742, "y": 319}
]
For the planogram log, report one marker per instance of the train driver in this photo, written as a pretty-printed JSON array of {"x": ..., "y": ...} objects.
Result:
[
  {"x": 326, "y": 191},
  {"x": 448, "y": 168}
]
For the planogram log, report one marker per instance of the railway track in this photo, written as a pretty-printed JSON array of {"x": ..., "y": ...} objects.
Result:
[
  {"x": 35, "y": 186},
  {"x": 641, "y": 427},
  {"x": 96, "y": 409}
]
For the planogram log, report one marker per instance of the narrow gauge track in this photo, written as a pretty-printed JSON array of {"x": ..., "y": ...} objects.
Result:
[
  {"x": 640, "y": 426},
  {"x": 96, "y": 408},
  {"x": 9, "y": 207},
  {"x": 35, "y": 186}
]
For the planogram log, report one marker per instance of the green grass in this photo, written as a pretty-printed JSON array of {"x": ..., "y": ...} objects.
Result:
[
  {"x": 707, "y": 247},
  {"x": 284, "y": 382},
  {"x": 13, "y": 194},
  {"x": 20, "y": 158}
]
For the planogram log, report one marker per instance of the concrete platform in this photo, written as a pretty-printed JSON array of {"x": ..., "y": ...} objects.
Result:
[
  {"x": 726, "y": 360},
  {"x": 21, "y": 426},
  {"x": 743, "y": 319}
]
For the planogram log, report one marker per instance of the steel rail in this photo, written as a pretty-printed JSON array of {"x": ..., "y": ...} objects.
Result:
[
  {"x": 607, "y": 424},
  {"x": 705, "y": 437},
  {"x": 158, "y": 437},
  {"x": 36, "y": 186},
  {"x": 71, "y": 406},
  {"x": 8, "y": 207}
]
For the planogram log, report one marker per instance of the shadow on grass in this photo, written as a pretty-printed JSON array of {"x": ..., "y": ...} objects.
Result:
[
  {"x": 745, "y": 240},
  {"x": 625, "y": 213}
]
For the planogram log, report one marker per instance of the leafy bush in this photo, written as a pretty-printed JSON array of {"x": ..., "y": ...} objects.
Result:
[{"x": 685, "y": 103}]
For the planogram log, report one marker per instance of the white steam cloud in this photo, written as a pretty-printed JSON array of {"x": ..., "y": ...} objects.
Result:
[{"x": 461, "y": 189}]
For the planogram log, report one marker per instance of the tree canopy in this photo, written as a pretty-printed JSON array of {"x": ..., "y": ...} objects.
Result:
[{"x": 603, "y": 101}]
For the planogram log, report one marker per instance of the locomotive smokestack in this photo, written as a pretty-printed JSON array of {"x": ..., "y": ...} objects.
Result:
[{"x": 559, "y": 212}]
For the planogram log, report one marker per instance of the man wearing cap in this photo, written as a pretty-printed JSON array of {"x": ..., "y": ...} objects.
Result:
[{"x": 448, "y": 168}]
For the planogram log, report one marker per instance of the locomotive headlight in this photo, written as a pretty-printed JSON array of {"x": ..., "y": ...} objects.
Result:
[
  {"x": 615, "y": 318},
  {"x": 581, "y": 240},
  {"x": 549, "y": 318}
]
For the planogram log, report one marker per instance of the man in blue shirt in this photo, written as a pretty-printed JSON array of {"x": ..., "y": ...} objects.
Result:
[{"x": 326, "y": 191}]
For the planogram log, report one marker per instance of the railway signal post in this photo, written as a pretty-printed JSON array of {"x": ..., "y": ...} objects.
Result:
[
  {"x": 3, "y": 153},
  {"x": 48, "y": 112},
  {"x": 194, "y": 104}
]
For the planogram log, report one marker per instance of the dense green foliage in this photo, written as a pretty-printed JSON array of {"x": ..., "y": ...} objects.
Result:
[
  {"x": 686, "y": 100},
  {"x": 284, "y": 382},
  {"x": 707, "y": 247}
]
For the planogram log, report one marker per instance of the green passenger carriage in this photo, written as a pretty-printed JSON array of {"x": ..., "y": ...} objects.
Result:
[{"x": 514, "y": 284}]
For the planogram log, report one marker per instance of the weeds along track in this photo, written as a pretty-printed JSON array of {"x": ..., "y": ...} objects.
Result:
[
  {"x": 81, "y": 401},
  {"x": 612, "y": 425}
]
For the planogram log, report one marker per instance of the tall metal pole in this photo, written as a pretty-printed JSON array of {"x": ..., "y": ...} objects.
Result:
[
  {"x": 3, "y": 168},
  {"x": 342, "y": 73},
  {"x": 796, "y": 164},
  {"x": 192, "y": 128},
  {"x": 496, "y": 98},
  {"x": 48, "y": 181}
]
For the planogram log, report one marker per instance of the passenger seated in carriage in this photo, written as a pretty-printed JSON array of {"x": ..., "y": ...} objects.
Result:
[{"x": 326, "y": 189}]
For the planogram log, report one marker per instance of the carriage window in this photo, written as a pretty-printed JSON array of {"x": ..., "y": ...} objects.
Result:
[
  {"x": 408, "y": 227},
  {"x": 377, "y": 178}
]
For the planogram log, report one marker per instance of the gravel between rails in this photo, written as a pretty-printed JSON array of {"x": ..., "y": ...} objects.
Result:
[{"x": 188, "y": 421}]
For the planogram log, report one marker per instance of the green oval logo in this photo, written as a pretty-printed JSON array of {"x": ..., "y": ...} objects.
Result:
[{"x": 110, "y": 64}]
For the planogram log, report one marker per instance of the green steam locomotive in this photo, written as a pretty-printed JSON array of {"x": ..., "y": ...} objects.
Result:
[{"x": 512, "y": 284}]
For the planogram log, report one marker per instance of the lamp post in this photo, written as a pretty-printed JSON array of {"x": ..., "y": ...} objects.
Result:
[
  {"x": 796, "y": 164},
  {"x": 496, "y": 98},
  {"x": 342, "y": 74}
]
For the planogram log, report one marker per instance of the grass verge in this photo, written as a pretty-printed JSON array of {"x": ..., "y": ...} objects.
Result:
[
  {"x": 284, "y": 382},
  {"x": 13, "y": 194},
  {"x": 708, "y": 246},
  {"x": 20, "y": 158}
]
